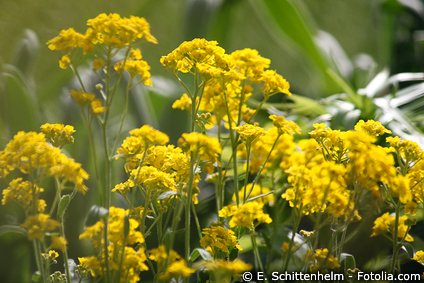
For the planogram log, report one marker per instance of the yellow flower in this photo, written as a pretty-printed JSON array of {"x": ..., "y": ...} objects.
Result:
[
  {"x": 371, "y": 127},
  {"x": 24, "y": 193},
  {"x": 140, "y": 139},
  {"x": 96, "y": 107},
  {"x": 65, "y": 62},
  {"x": 409, "y": 151},
  {"x": 386, "y": 223},
  {"x": 177, "y": 269},
  {"x": 322, "y": 260},
  {"x": 53, "y": 255},
  {"x": 284, "y": 126},
  {"x": 419, "y": 256},
  {"x": 199, "y": 51},
  {"x": 399, "y": 186},
  {"x": 218, "y": 240},
  {"x": 116, "y": 227},
  {"x": 98, "y": 63},
  {"x": 82, "y": 98},
  {"x": 274, "y": 83},
  {"x": 183, "y": 103},
  {"x": 92, "y": 264},
  {"x": 368, "y": 172},
  {"x": 37, "y": 225},
  {"x": 262, "y": 146},
  {"x": 58, "y": 134},
  {"x": 30, "y": 153},
  {"x": 202, "y": 146},
  {"x": 224, "y": 268},
  {"x": 248, "y": 132},
  {"x": 246, "y": 215},
  {"x": 135, "y": 66},
  {"x": 249, "y": 63},
  {"x": 121, "y": 229},
  {"x": 320, "y": 188},
  {"x": 66, "y": 40},
  {"x": 152, "y": 179},
  {"x": 175, "y": 266},
  {"x": 116, "y": 31},
  {"x": 59, "y": 242}
]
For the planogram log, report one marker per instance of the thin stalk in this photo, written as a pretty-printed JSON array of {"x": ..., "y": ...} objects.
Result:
[
  {"x": 263, "y": 166},
  {"x": 256, "y": 251},
  {"x": 188, "y": 207},
  {"x": 123, "y": 115},
  {"x": 295, "y": 228},
  {"x": 65, "y": 252},
  {"x": 246, "y": 177},
  {"x": 234, "y": 150},
  {"x": 146, "y": 206},
  {"x": 395, "y": 240},
  {"x": 39, "y": 260},
  {"x": 196, "y": 221}
]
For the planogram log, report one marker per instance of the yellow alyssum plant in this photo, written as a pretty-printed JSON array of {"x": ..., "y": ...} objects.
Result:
[{"x": 266, "y": 179}]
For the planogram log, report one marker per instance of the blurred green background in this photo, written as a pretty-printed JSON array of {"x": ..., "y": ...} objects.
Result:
[{"x": 328, "y": 50}]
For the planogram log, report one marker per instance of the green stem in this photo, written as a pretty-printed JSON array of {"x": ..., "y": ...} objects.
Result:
[
  {"x": 295, "y": 228},
  {"x": 39, "y": 260},
  {"x": 188, "y": 207},
  {"x": 234, "y": 150},
  {"x": 246, "y": 177},
  {"x": 395, "y": 240},
  {"x": 256, "y": 250},
  {"x": 263, "y": 166},
  {"x": 196, "y": 221}
]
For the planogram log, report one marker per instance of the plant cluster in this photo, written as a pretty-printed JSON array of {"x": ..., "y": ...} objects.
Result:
[{"x": 259, "y": 167}]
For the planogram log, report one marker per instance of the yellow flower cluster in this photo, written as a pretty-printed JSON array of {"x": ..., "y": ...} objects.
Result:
[
  {"x": 84, "y": 99},
  {"x": 135, "y": 66},
  {"x": 30, "y": 153},
  {"x": 419, "y": 256},
  {"x": 170, "y": 264},
  {"x": 58, "y": 134},
  {"x": 110, "y": 30},
  {"x": 386, "y": 223},
  {"x": 183, "y": 103},
  {"x": 159, "y": 168},
  {"x": 116, "y": 31},
  {"x": 372, "y": 128},
  {"x": 320, "y": 188},
  {"x": 248, "y": 132},
  {"x": 134, "y": 147},
  {"x": 284, "y": 145},
  {"x": 223, "y": 270},
  {"x": 228, "y": 79},
  {"x": 24, "y": 193},
  {"x": 246, "y": 215},
  {"x": 38, "y": 225},
  {"x": 218, "y": 240},
  {"x": 190, "y": 54},
  {"x": 352, "y": 149},
  {"x": 125, "y": 254},
  {"x": 322, "y": 260},
  {"x": 201, "y": 146}
]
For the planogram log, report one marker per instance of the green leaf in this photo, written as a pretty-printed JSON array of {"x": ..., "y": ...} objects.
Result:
[
  {"x": 63, "y": 205},
  {"x": 348, "y": 261},
  {"x": 95, "y": 214},
  {"x": 166, "y": 194},
  {"x": 204, "y": 254},
  {"x": 7, "y": 229}
]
